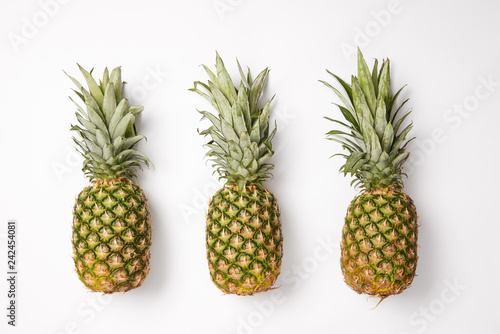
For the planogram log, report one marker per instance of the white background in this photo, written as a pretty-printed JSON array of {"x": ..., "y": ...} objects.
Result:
[{"x": 444, "y": 52}]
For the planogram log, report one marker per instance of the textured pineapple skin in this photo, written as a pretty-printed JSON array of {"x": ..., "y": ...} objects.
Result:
[
  {"x": 379, "y": 243},
  {"x": 244, "y": 239},
  {"x": 111, "y": 236}
]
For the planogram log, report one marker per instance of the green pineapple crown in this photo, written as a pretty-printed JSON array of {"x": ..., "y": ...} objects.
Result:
[
  {"x": 240, "y": 141},
  {"x": 107, "y": 131},
  {"x": 374, "y": 140}
]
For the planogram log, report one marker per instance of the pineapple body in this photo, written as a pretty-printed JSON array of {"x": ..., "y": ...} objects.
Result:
[
  {"x": 244, "y": 239},
  {"x": 243, "y": 234},
  {"x": 111, "y": 222},
  {"x": 379, "y": 238},
  {"x": 111, "y": 236},
  {"x": 379, "y": 242}
]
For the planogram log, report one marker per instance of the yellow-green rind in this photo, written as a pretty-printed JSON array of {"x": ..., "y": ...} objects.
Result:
[
  {"x": 379, "y": 243},
  {"x": 244, "y": 239},
  {"x": 111, "y": 236}
]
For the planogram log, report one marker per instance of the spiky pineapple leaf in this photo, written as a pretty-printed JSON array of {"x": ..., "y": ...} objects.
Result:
[
  {"x": 241, "y": 142},
  {"x": 107, "y": 132},
  {"x": 366, "y": 83},
  {"x": 375, "y": 144}
]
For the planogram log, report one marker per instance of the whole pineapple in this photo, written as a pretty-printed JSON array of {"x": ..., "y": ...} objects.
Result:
[
  {"x": 243, "y": 233},
  {"x": 111, "y": 221},
  {"x": 379, "y": 238}
]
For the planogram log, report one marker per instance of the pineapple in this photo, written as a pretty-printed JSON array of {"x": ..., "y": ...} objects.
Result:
[
  {"x": 379, "y": 237},
  {"x": 111, "y": 221},
  {"x": 243, "y": 232}
]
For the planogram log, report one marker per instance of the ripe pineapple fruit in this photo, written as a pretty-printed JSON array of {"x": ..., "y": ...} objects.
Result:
[
  {"x": 379, "y": 237},
  {"x": 111, "y": 221},
  {"x": 243, "y": 233}
]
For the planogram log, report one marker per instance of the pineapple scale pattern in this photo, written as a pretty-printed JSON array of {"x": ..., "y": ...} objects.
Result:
[
  {"x": 244, "y": 239},
  {"x": 111, "y": 236},
  {"x": 379, "y": 243}
]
